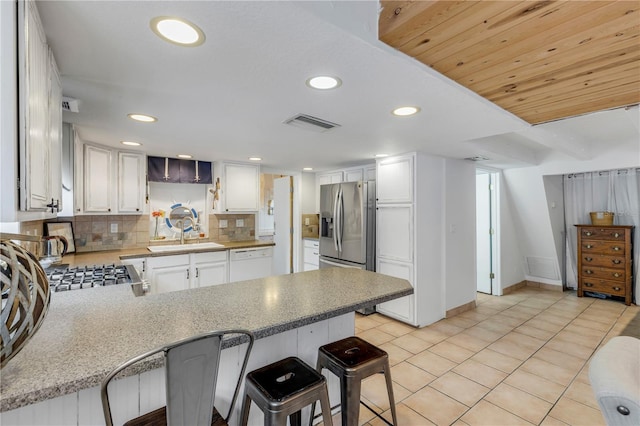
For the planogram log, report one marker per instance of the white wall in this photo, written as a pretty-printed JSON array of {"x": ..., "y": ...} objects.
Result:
[
  {"x": 508, "y": 251},
  {"x": 308, "y": 193},
  {"x": 459, "y": 233}
]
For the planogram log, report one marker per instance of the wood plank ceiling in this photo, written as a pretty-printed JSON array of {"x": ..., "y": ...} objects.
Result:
[{"x": 540, "y": 60}]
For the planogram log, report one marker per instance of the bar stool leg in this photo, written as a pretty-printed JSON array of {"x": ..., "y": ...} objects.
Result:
[
  {"x": 246, "y": 405},
  {"x": 350, "y": 399},
  {"x": 392, "y": 402},
  {"x": 325, "y": 405},
  {"x": 295, "y": 419}
]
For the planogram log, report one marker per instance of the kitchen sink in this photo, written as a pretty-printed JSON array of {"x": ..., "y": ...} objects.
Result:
[{"x": 183, "y": 247}]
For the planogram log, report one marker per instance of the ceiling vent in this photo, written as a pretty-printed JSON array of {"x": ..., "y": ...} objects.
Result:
[
  {"x": 477, "y": 158},
  {"x": 308, "y": 122},
  {"x": 69, "y": 104}
]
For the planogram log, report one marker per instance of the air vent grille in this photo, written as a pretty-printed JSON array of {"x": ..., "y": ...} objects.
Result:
[
  {"x": 477, "y": 158},
  {"x": 69, "y": 104},
  {"x": 309, "y": 122}
]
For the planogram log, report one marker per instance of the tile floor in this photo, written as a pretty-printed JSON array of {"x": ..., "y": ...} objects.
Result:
[{"x": 518, "y": 359}]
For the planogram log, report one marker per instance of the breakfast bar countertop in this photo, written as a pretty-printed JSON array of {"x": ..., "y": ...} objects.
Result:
[{"x": 89, "y": 332}]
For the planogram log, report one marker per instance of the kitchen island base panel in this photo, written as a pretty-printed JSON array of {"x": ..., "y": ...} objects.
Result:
[{"x": 138, "y": 394}]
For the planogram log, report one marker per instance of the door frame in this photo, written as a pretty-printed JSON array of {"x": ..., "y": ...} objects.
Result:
[{"x": 494, "y": 240}]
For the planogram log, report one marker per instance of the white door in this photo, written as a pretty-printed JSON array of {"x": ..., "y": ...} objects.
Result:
[
  {"x": 484, "y": 250},
  {"x": 283, "y": 225}
]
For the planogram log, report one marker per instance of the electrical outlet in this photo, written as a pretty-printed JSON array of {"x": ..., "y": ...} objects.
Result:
[
  {"x": 306, "y": 221},
  {"x": 114, "y": 228},
  {"x": 239, "y": 223},
  {"x": 222, "y": 223}
]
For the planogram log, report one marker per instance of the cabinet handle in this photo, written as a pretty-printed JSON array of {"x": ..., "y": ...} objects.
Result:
[
  {"x": 144, "y": 266},
  {"x": 187, "y": 274},
  {"x": 616, "y": 235},
  {"x": 197, "y": 272},
  {"x": 617, "y": 248},
  {"x": 616, "y": 288},
  {"x": 617, "y": 261},
  {"x": 588, "y": 259},
  {"x": 108, "y": 210},
  {"x": 588, "y": 271},
  {"x": 137, "y": 209},
  {"x": 587, "y": 233},
  {"x": 616, "y": 275},
  {"x": 588, "y": 285},
  {"x": 589, "y": 246}
]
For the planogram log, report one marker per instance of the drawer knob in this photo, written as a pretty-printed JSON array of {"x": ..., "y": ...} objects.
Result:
[
  {"x": 616, "y": 248},
  {"x": 588, "y": 285},
  {"x": 616, "y": 288},
  {"x": 616, "y": 261},
  {"x": 616, "y": 235},
  {"x": 588, "y": 233},
  {"x": 616, "y": 275},
  {"x": 588, "y": 259},
  {"x": 588, "y": 271},
  {"x": 589, "y": 246}
]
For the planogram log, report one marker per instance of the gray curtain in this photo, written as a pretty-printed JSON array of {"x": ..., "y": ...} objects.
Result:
[{"x": 615, "y": 191}]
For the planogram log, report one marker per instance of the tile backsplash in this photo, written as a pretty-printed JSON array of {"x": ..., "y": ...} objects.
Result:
[{"x": 232, "y": 227}]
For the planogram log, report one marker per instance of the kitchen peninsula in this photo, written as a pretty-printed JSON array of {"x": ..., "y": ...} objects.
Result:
[{"x": 86, "y": 333}]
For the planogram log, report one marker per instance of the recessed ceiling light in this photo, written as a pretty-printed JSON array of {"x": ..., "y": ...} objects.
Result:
[
  {"x": 142, "y": 117},
  {"x": 381, "y": 155},
  {"x": 404, "y": 111},
  {"x": 130, "y": 143},
  {"x": 255, "y": 158},
  {"x": 324, "y": 82},
  {"x": 307, "y": 169},
  {"x": 177, "y": 30},
  {"x": 184, "y": 156}
]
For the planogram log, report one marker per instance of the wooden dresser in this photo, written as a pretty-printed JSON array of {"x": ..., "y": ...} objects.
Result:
[{"x": 605, "y": 260}]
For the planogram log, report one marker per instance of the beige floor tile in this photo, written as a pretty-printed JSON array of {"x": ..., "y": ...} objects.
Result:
[
  {"x": 495, "y": 326},
  {"x": 412, "y": 344},
  {"x": 480, "y": 373},
  {"x": 510, "y": 320},
  {"x": 435, "y": 406},
  {"x": 565, "y": 312},
  {"x": 488, "y": 336},
  {"x": 524, "y": 312},
  {"x": 589, "y": 341},
  {"x": 446, "y": 327},
  {"x": 561, "y": 359},
  {"x": 432, "y": 363},
  {"x": 574, "y": 413},
  {"x": 582, "y": 393},
  {"x": 573, "y": 349},
  {"x": 460, "y": 388},
  {"x": 473, "y": 315},
  {"x": 365, "y": 323},
  {"x": 460, "y": 423},
  {"x": 512, "y": 349},
  {"x": 600, "y": 317},
  {"x": 374, "y": 388},
  {"x": 537, "y": 303},
  {"x": 520, "y": 403},
  {"x": 396, "y": 329},
  {"x": 535, "y": 385},
  {"x": 583, "y": 375},
  {"x": 357, "y": 330},
  {"x": 485, "y": 310},
  {"x": 535, "y": 332},
  {"x": 462, "y": 322},
  {"x": 544, "y": 325},
  {"x": 375, "y": 336},
  {"x": 452, "y": 352},
  {"x": 553, "y": 319},
  {"x": 497, "y": 360},
  {"x": 591, "y": 324},
  {"x": 545, "y": 369},
  {"x": 524, "y": 340},
  {"x": 411, "y": 377},
  {"x": 486, "y": 414},
  {"x": 429, "y": 335},
  {"x": 468, "y": 341},
  {"x": 396, "y": 353},
  {"x": 552, "y": 421},
  {"x": 406, "y": 417},
  {"x": 379, "y": 317},
  {"x": 584, "y": 330}
]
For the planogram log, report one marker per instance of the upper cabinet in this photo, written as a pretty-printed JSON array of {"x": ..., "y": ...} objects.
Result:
[
  {"x": 395, "y": 180},
  {"x": 40, "y": 116},
  {"x": 173, "y": 170},
  {"x": 109, "y": 181},
  {"x": 239, "y": 188},
  {"x": 351, "y": 174}
]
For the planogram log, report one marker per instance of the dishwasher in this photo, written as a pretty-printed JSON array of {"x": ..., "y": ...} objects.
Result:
[{"x": 250, "y": 263}]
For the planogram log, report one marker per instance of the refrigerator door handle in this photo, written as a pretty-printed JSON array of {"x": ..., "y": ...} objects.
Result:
[
  {"x": 335, "y": 220},
  {"x": 340, "y": 218}
]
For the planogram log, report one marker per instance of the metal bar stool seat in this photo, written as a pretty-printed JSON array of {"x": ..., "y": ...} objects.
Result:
[
  {"x": 353, "y": 359},
  {"x": 284, "y": 388}
]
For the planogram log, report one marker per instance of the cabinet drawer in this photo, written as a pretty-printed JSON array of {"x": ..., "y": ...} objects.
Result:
[
  {"x": 312, "y": 244},
  {"x": 604, "y": 247},
  {"x": 596, "y": 233},
  {"x": 211, "y": 256},
  {"x": 603, "y": 260},
  {"x": 311, "y": 255},
  {"x": 589, "y": 272},
  {"x": 603, "y": 286}
]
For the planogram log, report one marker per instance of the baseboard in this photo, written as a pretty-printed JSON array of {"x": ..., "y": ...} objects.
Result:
[
  {"x": 544, "y": 286},
  {"x": 513, "y": 287},
  {"x": 460, "y": 309}
]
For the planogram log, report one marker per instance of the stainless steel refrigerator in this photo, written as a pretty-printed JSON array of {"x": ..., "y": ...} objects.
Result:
[{"x": 347, "y": 225}]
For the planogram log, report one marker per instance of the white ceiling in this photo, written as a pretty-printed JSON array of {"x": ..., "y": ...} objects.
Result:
[{"x": 227, "y": 99}]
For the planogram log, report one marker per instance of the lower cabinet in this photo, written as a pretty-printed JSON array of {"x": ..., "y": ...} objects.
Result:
[
  {"x": 402, "y": 308},
  {"x": 311, "y": 255},
  {"x": 181, "y": 272}
]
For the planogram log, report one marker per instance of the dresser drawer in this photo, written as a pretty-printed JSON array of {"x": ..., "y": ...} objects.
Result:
[
  {"x": 603, "y": 247},
  {"x": 596, "y": 233},
  {"x": 603, "y": 260},
  {"x": 589, "y": 272},
  {"x": 603, "y": 286}
]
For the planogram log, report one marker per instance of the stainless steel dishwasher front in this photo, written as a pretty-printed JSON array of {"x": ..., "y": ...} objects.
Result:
[{"x": 250, "y": 263}]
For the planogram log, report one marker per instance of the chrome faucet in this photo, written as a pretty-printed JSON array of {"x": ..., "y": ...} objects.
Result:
[{"x": 182, "y": 224}]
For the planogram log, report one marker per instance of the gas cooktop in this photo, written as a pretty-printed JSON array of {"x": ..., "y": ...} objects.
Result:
[{"x": 63, "y": 278}]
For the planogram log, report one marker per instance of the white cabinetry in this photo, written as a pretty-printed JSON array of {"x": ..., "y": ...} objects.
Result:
[
  {"x": 240, "y": 186},
  {"x": 40, "y": 118},
  {"x": 184, "y": 271},
  {"x": 351, "y": 174},
  {"x": 311, "y": 254},
  {"x": 108, "y": 181},
  {"x": 409, "y": 237}
]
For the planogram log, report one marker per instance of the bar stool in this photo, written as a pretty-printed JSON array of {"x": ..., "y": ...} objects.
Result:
[
  {"x": 353, "y": 359},
  {"x": 282, "y": 389}
]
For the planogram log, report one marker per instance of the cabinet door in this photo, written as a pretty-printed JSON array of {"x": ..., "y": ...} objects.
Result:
[
  {"x": 208, "y": 274},
  {"x": 55, "y": 134},
  {"x": 394, "y": 180},
  {"x": 131, "y": 182},
  {"x": 241, "y": 187},
  {"x": 370, "y": 172},
  {"x": 169, "y": 273},
  {"x": 97, "y": 179},
  {"x": 403, "y": 308},
  {"x": 34, "y": 120},
  {"x": 354, "y": 175},
  {"x": 394, "y": 225}
]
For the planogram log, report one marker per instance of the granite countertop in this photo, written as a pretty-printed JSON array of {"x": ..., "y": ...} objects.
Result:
[
  {"x": 89, "y": 332},
  {"x": 115, "y": 256}
]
